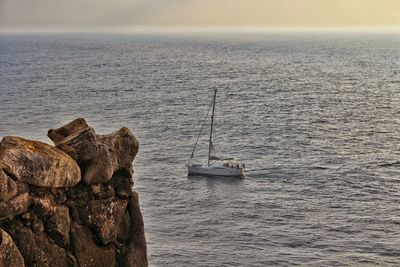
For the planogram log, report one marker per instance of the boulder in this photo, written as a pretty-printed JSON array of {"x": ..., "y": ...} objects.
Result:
[
  {"x": 37, "y": 163},
  {"x": 60, "y": 134},
  {"x": 8, "y": 188},
  {"x": 99, "y": 155},
  {"x": 76, "y": 138},
  {"x": 59, "y": 195},
  {"x": 15, "y": 206},
  {"x": 32, "y": 221},
  {"x": 80, "y": 192},
  {"x": 124, "y": 146},
  {"x": 86, "y": 252},
  {"x": 137, "y": 251},
  {"x": 124, "y": 228},
  {"x": 36, "y": 249},
  {"x": 104, "y": 218},
  {"x": 25, "y": 241},
  {"x": 100, "y": 169},
  {"x": 103, "y": 191},
  {"x": 44, "y": 205},
  {"x": 114, "y": 152},
  {"x": 47, "y": 253},
  {"x": 9, "y": 253},
  {"x": 56, "y": 216},
  {"x": 58, "y": 226},
  {"x": 122, "y": 186}
]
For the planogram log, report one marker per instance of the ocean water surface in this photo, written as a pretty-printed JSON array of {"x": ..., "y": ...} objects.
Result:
[{"x": 315, "y": 118}]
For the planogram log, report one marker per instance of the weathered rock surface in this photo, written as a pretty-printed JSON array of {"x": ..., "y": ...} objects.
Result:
[
  {"x": 76, "y": 138},
  {"x": 114, "y": 152},
  {"x": 104, "y": 218},
  {"x": 44, "y": 205},
  {"x": 37, "y": 163},
  {"x": 122, "y": 186},
  {"x": 134, "y": 253},
  {"x": 100, "y": 155},
  {"x": 48, "y": 217},
  {"x": 58, "y": 226},
  {"x": 87, "y": 253},
  {"x": 9, "y": 253},
  {"x": 138, "y": 249},
  {"x": 15, "y": 206},
  {"x": 36, "y": 248},
  {"x": 8, "y": 188}
]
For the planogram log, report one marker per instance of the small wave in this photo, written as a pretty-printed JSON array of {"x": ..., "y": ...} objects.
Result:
[
  {"x": 389, "y": 164},
  {"x": 318, "y": 168}
]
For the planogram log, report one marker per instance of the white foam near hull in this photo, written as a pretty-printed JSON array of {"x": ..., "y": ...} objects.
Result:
[{"x": 197, "y": 169}]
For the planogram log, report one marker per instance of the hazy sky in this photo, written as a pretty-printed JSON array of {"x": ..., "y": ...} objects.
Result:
[{"x": 116, "y": 14}]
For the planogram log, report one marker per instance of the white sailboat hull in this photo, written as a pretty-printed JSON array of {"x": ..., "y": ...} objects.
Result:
[{"x": 198, "y": 169}]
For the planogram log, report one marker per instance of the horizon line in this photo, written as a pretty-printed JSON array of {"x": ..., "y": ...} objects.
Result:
[{"x": 211, "y": 29}]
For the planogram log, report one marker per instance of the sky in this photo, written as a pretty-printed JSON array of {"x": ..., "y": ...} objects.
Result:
[{"x": 86, "y": 15}]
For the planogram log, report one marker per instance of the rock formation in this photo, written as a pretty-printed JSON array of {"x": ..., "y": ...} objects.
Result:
[{"x": 71, "y": 204}]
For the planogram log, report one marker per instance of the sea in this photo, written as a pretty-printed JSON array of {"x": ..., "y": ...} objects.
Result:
[{"x": 313, "y": 115}]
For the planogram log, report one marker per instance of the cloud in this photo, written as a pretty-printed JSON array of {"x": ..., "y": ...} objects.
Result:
[
  {"x": 74, "y": 13},
  {"x": 286, "y": 12},
  {"x": 88, "y": 14}
]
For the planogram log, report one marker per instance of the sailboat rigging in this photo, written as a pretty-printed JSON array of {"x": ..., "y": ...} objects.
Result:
[{"x": 229, "y": 167}]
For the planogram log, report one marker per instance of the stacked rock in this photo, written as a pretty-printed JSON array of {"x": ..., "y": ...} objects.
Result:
[{"x": 71, "y": 204}]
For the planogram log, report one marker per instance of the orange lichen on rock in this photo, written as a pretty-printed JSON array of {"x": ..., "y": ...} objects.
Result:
[{"x": 37, "y": 163}]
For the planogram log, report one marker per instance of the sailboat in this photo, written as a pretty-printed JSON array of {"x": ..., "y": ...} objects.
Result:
[{"x": 216, "y": 165}]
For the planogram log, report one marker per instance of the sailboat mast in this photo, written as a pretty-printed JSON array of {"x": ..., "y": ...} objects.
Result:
[{"x": 211, "y": 129}]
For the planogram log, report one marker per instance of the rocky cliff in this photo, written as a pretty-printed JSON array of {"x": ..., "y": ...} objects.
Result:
[{"x": 71, "y": 204}]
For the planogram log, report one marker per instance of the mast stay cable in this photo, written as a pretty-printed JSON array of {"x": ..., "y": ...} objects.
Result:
[{"x": 202, "y": 127}]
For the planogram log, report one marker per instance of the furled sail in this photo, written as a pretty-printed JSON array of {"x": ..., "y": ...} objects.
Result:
[{"x": 213, "y": 153}]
